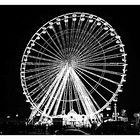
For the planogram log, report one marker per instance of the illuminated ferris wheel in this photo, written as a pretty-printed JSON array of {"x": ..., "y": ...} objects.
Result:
[{"x": 73, "y": 62}]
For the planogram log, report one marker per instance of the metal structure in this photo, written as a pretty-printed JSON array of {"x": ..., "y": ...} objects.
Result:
[{"x": 75, "y": 61}]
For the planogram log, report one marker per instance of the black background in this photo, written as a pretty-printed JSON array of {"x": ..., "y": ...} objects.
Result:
[{"x": 19, "y": 23}]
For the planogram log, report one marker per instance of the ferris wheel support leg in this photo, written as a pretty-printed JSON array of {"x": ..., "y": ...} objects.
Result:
[
  {"x": 55, "y": 99},
  {"x": 59, "y": 99},
  {"x": 77, "y": 102},
  {"x": 54, "y": 86},
  {"x": 82, "y": 93},
  {"x": 60, "y": 92},
  {"x": 32, "y": 115},
  {"x": 49, "y": 103},
  {"x": 64, "y": 102},
  {"x": 86, "y": 101}
]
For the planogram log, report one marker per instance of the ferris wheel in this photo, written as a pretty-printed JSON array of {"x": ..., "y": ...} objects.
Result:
[{"x": 75, "y": 61}]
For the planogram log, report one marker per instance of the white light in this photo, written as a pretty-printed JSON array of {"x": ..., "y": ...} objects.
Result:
[
  {"x": 99, "y": 23},
  {"x": 16, "y": 115},
  {"x": 66, "y": 20},
  {"x": 82, "y": 19},
  {"x": 112, "y": 30},
  {"x": 90, "y": 20},
  {"x": 38, "y": 114},
  {"x": 105, "y": 28},
  {"x": 66, "y": 17},
  {"x": 105, "y": 23},
  {"x": 27, "y": 101},
  {"x": 118, "y": 37},
  {"x": 98, "y": 19},
  {"x": 50, "y": 23},
  {"x": 8, "y": 117},
  {"x": 74, "y": 19},
  {"x": 74, "y": 15},
  {"x": 108, "y": 108},
  {"x": 51, "y": 27}
]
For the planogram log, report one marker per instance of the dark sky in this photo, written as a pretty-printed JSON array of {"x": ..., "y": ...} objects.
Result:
[{"x": 19, "y": 23}]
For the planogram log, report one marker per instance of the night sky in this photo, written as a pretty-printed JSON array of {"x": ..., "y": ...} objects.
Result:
[{"x": 19, "y": 23}]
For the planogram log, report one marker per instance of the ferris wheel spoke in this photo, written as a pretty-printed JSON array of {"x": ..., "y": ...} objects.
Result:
[
  {"x": 107, "y": 79},
  {"x": 99, "y": 45},
  {"x": 62, "y": 36},
  {"x": 95, "y": 41},
  {"x": 103, "y": 58},
  {"x": 102, "y": 70},
  {"x": 59, "y": 42},
  {"x": 109, "y": 49},
  {"x": 40, "y": 63},
  {"x": 40, "y": 58},
  {"x": 88, "y": 38},
  {"x": 36, "y": 81},
  {"x": 38, "y": 75},
  {"x": 35, "y": 90},
  {"x": 82, "y": 36},
  {"x": 105, "y": 43},
  {"x": 44, "y": 88},
  {"x": 47, "y": 68},
  {"x": 89, "y": 34},
  {"x": 44, "y": 83},
  {"x": 55, "y": 58},
  {"x": 40, "y": 95},
  {"x": 59, "y": 56},
  {"x": 59, "y": 49},
  {"x": 39, "y": 87},
  {"x": 93, "y": 38},
  {"x": 42, "y": 79},
  {"x": 112, "y": 48},
  {"x": 96, "y": 81},
  {"x": 92, "y": 87},
  {"x": 98, "y": 31},
  {"x": 35, "y": 75},
  {"x": 72, "y": 34},
  {"x": 104, "y": 64},
  {"x": 43, "y": 68},
  {"x": 76, "y": 35},
  {"x": 66, "y": 32},
  {"x": 104, "y": 35}
]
